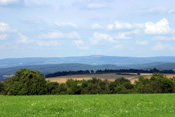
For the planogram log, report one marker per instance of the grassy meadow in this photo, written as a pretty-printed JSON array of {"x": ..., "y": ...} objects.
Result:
[{"x": 132, "y": 105}]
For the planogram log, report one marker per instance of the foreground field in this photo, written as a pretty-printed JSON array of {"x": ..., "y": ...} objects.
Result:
[{"x": 89, "y": 105}]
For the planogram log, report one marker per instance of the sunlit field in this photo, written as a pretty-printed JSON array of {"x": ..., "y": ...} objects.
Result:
[
  {"x": 89, "y": 105},
  {"x": 109, "y": 76}
]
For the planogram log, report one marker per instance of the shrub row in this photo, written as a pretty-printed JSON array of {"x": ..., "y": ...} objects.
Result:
[{"x": 30, "y": 82}]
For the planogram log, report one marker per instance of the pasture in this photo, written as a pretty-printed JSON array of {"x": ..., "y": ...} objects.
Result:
[{"x": 132, "y": 105}]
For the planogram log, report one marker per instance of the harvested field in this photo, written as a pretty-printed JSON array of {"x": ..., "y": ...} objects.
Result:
[
  {"x": 109, "y": 76},
  {"x": 149, "y": 76}
]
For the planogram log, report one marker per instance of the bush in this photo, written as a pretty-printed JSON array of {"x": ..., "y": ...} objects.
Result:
[
  {"x": 1, "y": 87},
  {"x": 30, "y": 82},
  {"x": 52, "y": 88}
]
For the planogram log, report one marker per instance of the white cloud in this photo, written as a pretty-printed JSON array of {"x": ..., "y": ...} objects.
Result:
[
  {"x": 6, "y": 2},
  {"x": 56, "y": 35},
  {"x": 98, "y": 37},
  {"x": 120, "y": 25},
  {"x": 66, "y": 24},
  {"x": 80, "y": 44},
  {"x": 162, "y": 46},
  {"x": 122, "y": 36},
  {"x": 23, "y": 39},
  {"x": 157, "y": 10},
  {"x": 125, "y": 35},
  {"x": 142, "y": 42},
  {"x": 160, "y": 10},
  {"x": 118, "y": 46},
  {"x": 164, "y": 38},
  {"x": 34, "y": 2},
  {"x": 110, "y": 26},
  {"x": 48, "y": 43},
  {"x": 4, "y": 27},
  {"x": 3, "y": 36},
  {"x": 96, "y": 6},
  {"x": 161, "y": 27},
  {"x": 96, "y": 26},
  {"x": 126, "y": 25},
  {"x": 5, "y": 46},
  {"x": 171, "y": 11}
]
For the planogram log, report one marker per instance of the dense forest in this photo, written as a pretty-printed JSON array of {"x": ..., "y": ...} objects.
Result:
[{"x": 31, "y": 82}]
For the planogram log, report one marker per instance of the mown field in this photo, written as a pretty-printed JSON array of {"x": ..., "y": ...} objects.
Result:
[
  {"x": 132, "y": 105},
  {"x": 109, "y": 76}
]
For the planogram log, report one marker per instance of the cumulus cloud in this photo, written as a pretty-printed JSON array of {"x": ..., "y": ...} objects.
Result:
[
  {"x": 161, "y": 27},
  {"x": 96, "y": 26},
  {"x": 80, "y": 44},
  {"x": 23, "y": 39},
  {"x": 163, "y": 46},
  {"x": 142, "y": 42},
  {"x": 4, "y": 27},
  {"x": 100, "y": 37},
  {"x": 160, "y": 10},
  {"x": 122, "y": 36},
  {"x": 48, "y": 43},
  {"x": 110, "y": 26},
  {"x": 126, "y": 25},
  {"x": 95, "y": 6},
  {"x": 6, "y": 2},
  {"x": 126, "y": 35},
  {"x": 56, "y": 35},
  {"x": 118, "y": 46},
  {"x": 66, "y": 24},
  {"x": 35, "y": 2},
  {"x": 3, "y": 36},
  {"x": 164, "y": 38}
]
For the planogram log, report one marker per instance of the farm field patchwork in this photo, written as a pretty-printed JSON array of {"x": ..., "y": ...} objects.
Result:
[
  {"x": 132, "y": 105},
  {"x": 109, "y": 76}
]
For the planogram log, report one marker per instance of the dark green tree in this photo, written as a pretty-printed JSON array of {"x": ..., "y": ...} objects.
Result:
[
  {"x": 52, "y": 88},
  {"x": 1, "y": 88},
  {"x": 25, "y": 82}
]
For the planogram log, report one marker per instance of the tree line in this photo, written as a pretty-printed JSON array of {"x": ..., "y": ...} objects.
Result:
[
  {"x": 80, "y": 72},
  {"x": 31, "y": 82}
]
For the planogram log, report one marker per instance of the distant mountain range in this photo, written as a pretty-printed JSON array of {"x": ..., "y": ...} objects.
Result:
[
  {"x": 91, "y": 60},
  {"x": 51, "y": 65}
]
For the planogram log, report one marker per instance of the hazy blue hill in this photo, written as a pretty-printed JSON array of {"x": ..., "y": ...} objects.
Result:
[
  {"x": 92, "y": 60},
  {"x": 95, "y": 62},
  {"x": 160, "y": 66},
  {"x": 51, "y": 68}
]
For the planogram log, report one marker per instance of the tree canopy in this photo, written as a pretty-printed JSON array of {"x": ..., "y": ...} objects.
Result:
[{"x": 25, "y": 82}]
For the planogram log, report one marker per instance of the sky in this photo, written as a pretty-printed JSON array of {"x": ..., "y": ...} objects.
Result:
[{"x": 61, "y": 28}]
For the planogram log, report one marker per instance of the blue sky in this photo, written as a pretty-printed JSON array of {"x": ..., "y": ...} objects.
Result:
[{"x": 53, "y": 28}]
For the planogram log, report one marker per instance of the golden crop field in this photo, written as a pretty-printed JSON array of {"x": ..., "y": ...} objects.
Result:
[{"x": 109, "y": 76}]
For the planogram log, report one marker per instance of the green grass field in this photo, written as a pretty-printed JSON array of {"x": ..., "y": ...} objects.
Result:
[{"x": 148, "y": 105}]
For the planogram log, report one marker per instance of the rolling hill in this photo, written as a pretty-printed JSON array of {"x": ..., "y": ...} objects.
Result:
[
  {"x": 51, "y": 65},
  {"x": 91, "y": 60}
]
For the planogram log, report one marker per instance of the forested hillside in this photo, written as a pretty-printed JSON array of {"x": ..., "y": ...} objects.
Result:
[
  {"x": 52, "y": 68},
  {"x": 92, "y": 60}
]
